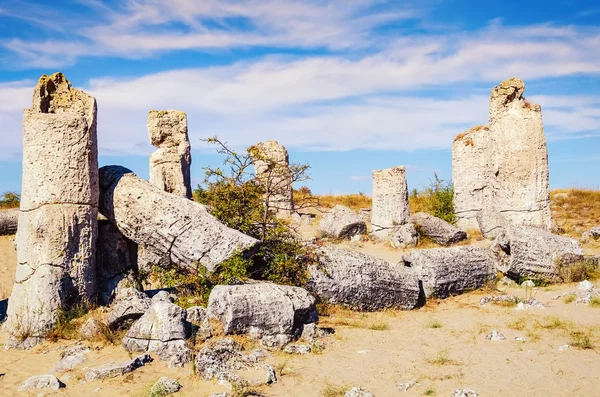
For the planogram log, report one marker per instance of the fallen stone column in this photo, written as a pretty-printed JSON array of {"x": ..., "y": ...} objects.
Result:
[
  {"x": 56, "y": 238},
  {"x": 271, "y": 165},
  {"x": 170, "y": 164},
  {"x": 342, "y": 222},
  {"x": 177, "y": 230},
  {"x": 437, "y": 229},
  {"x": 362, "y": 282},
  {"x": 528, "y": 252},
  {"x": 390, "y": 201},
  {"x": 451, "y": 271},
  {"x": 9, "y": 220}
]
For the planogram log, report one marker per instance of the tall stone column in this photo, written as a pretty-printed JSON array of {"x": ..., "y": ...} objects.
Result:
[
  {"x": 170, "y": 164},
  {"x": 390, "y": 201},
  {"x": 271, "y": 165},
  {"x": 56, "y": 238}
]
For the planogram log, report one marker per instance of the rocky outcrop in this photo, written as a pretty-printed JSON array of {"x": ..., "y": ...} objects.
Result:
[
  {"x": 271, "y": 165},
  {"x": 161, "y": 330},
  {"x": 170, "y": 164},
  {"x": 528, "y": 252},
  {"x": 116, "y": 258},
  {"x": 56, "y": 238},
  {"x": 390, "y": 201},
  {"x": 129, "y": 305},
  {"x": 177, "y": 230},
  {"x": 437, "y": 229},
  {"x": 451, "y": 271},
  {"x": 504, "y": 165},
  {"x": 361, "y": 281},
  {"x": 342, "y": 222},
  {"x": 9, "y": 220},
  {"x": 404, "y": 236},
  {"x": 263, "y": 310}
]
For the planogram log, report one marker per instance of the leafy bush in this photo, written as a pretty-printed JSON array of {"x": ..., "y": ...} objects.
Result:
[
  {"x": 238, "y": 199},
  {"x": 10, "y": 200},
  {"x": 436, "y": 199}
]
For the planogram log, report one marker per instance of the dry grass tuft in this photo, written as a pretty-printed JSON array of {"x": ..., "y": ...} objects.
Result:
[
  {"x": 354, "y": 201},
  {"x": 442, "y": 357},
  {"x": 575, "y": 210},
  {"x": 379, "y": 326},
  {"x": 333, "y": 390}
]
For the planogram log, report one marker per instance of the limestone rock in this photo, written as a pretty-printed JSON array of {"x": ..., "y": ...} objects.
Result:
[
  {"x": 91, "y": 329},
  {"x": 357, "y": 392},
  {"x": 471, "y": 173},
  {"x": 390, "y": 201},
  {"x": 9, "y": 220},
  {"x": 116, "y": 258},
  {"x": 342, "y": 222},
  {"x": 495, "y": 336},
  {"x": 56, "y": 238},
  {"x": 161, "y": 330},
  {"x": 41, "y": 382},
  {"x": 196, "y": 314},
  {"x": 129, "y": 305},
  {"x": 262, "y": 309},
  {"x": 297, "y": 349},
  {"x": 223, "y": 356},
  {"x": 365, "y": 214},
  {"x": 490, "y": 221},
  {"x": 165, "y": 386},
  {"x": 178, "y": 230},
  {"x": 535, "y": 253},
  {"x": 465, "y": 393},
  {"x": 437, "y": 229},
  {"x": 70, "y": 358},
  {"x": 113, "y": 370},
  {"x": 170, "y": 164},
  {"x": 451, "y": 271},
  {"x": 404, "y": 236},
  {"x": 271, "y": 165},
  {"x": 361, "y": 281}
]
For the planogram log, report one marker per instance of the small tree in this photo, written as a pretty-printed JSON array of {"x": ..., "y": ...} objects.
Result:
[{"x": 10, "y": 200}]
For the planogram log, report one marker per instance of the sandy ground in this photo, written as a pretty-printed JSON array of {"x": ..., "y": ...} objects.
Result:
[{"x": 443, "y": 345}]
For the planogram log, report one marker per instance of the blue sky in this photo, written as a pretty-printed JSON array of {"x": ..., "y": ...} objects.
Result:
[{"x": 348, "y": 86}]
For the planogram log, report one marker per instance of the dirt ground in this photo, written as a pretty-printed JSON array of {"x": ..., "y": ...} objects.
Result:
[{"x": 443, "y": 345}]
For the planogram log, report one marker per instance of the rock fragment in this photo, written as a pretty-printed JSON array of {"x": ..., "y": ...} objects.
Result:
[
  {"x": 113, "y": 370},
  {"x": 451, "y": 271},
  {"x": 342, "y": 222},
  {"x": 357, "y": 392},
  {"x": 437, "y": 229},
  {"x": 390, "y": 201},
  {"x": 164, "y": 386},
  {"x": 40, "y": 382},
  {"x": 129, "y": 305},
  {"x": 404, "y": 236},
  {"x": 495, "y": 336}
]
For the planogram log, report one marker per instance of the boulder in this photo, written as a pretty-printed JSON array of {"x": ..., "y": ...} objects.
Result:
[
  {"x": 160, "y": 330},
  {"x": 112, "y": 370},
  {"x": 116, "y": 258},
  {"x": 437, "y": 229},
  {"x": 264, "y": 310},
  {"x": 170, "y": 164},
  {"x": 491, "y": 222},
  {"x": 9, "y": 220},
  {"x": 361, "y": 281},
  {"x": 70, "y": 358},
  {"x": 271, "y": 166},
  {"x": 40, "y": 382},
  {"x": 404, "y": 236},
  {"x": 56, "y": 237},
  {"x": 178, "y": 230},
  {"x": 342, "y": 222},
  {"x": 164, "y": 386},
  {"x": 390, "y": 201},
  {"x": 129, "y": 305},
  {"x": 529, "y": 252},
  {"x": 451, "y": 271}
]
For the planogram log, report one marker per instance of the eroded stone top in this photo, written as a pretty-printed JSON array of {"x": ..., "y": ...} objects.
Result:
[
  {"x": 389, "y": 171},
  {"x": 54, "y": 94},
  {"x": 167, "y": 128},
  {"x": 272, "y": 151},
  {"x": 507, "y": 93}
]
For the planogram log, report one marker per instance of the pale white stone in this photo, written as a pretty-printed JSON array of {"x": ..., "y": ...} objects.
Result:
[
  {"x": 390, "y": 201},
  {"x": 271, "y": 165}
]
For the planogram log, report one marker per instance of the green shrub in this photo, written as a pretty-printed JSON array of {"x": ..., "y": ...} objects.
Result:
[
  {"x": 436, "y": 199},
  {"x": 10, "y": 200}
]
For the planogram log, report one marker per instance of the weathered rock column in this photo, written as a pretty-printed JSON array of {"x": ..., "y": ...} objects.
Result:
[
  {"x": 520, "y": 157},
  {"x": 56, "y": 238},
  {"x": 471, "y": 173},
  {"x": 170, "y": 164},
  {"x": 271, "y": 165},
  {"x": 390, "y": 201}
]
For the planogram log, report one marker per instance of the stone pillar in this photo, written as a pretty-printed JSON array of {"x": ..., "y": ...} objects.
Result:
[
  {"x": 170, "y": 164},
  {"x": 471, "y": 157},
  {"x": 271, "y": 165},
  {"x": 520, "y": 164},
  {"x": 500, "y": 171},
  {"x": 390, "y": 201},
  {"x": 56, "y": 238}
]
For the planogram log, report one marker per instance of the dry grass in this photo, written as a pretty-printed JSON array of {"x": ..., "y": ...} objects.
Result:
[
  {"x": 333, "y": 390},
  {"x": 442, "y": 357},
  {"x": 354, "y": 201},
  {"x": 575, "y": 210}
]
